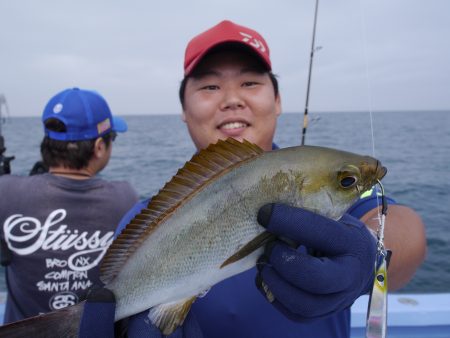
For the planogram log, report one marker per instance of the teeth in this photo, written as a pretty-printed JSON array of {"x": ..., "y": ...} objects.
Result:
[{"x": 234, "y": 125}]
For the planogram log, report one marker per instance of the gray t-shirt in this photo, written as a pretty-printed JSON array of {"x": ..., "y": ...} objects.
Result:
[{"x": 56, "y": 230}]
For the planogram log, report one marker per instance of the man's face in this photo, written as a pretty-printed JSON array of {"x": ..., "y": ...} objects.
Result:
[{"x": 228, "y": 98}]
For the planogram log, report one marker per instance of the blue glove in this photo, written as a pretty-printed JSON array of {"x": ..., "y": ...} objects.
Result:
[
  {"x": 333, "y": 266},
  {"x": 97, "y": 320},
  {"x": 98, "y": 314}
]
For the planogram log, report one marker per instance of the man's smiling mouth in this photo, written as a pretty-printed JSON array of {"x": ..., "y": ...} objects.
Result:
[{"x": 233, "y": 125}]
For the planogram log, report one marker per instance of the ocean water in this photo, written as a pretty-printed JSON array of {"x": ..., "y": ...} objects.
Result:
[{"x": 414, "y": 146}]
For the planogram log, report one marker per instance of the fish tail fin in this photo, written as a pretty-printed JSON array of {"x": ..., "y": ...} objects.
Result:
[{"x": 60, "y": 323}]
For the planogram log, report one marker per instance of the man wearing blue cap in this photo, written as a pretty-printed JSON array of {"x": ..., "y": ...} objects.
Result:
[{"x": 56, "y": 227}]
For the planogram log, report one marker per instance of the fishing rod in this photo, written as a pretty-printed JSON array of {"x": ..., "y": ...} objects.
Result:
[
  {"x": 2, "y": 103},
  {"x": 313, "y": 49},
  {"x": 5, "y": 161}
]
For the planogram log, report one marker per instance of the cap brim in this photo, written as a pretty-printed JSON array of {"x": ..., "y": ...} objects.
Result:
[
  {"x": 119, "y": 125},
  {"x": 227, "y": 41}
]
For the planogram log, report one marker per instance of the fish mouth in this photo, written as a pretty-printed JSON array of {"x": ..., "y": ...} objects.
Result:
[
  {"x": 373, "y": 171},
  {"x": 380, "y": 171}
]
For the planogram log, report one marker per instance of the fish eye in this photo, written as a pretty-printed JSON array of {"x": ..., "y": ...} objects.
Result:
[
  {"x": 348, "y": 176},
  {"x": 348, "y": 181}
]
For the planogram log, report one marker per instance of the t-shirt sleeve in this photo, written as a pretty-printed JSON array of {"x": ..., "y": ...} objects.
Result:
[
  {"x": 369, "y": 200},
  {"x": 129, "y": 216}
]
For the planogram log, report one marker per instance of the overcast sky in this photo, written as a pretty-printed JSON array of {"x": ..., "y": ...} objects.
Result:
[{"x": 376, "y": 54}]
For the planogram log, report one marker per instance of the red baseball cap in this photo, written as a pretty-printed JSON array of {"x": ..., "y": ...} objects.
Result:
[{"x": 225, "y": 31}]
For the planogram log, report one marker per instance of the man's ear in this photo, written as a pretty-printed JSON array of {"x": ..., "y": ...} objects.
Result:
[
  {"x": 100, "y": 147},
  {"x": 278, "y": 105},
  {"x": 183, "y": 116}
]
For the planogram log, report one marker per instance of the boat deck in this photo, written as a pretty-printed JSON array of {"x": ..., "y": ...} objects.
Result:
[{"x": 410, "y": 315}]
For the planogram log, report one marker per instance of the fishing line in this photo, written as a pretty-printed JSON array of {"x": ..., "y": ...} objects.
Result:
[
  {"x": 376, "y": 320},
  {"x": 384, "y": 208},
  {"x": 367, "y": 73},
  {"x": 369, "y": 91}
]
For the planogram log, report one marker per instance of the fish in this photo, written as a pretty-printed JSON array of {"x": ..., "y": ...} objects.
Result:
[{"x": 202, "y": 228}]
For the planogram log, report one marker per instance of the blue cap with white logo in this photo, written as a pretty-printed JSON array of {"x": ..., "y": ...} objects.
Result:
[{"x": 85, "y": 114}]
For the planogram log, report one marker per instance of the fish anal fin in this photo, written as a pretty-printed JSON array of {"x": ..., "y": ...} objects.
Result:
[
  {"x": 168, "y": 317},
  {"x": 257, "y": 242}
]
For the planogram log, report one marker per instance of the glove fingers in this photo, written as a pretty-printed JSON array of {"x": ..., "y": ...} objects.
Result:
[
  {"x": 303, "y": 319},
  {"x": 299, "y": 302},
  {"x": 314, "y": 274},
  {"x": 310, "y": 229}
]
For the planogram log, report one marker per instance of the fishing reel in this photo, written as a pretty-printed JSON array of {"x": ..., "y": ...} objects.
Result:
[
  {"x": 5, "y": 161},
  {"x": 5, "y": 164}
]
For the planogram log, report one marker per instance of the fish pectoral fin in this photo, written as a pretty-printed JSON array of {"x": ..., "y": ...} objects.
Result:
[
  {"x": 257, "y": 242},
  {"x": 167, "y": 317}
]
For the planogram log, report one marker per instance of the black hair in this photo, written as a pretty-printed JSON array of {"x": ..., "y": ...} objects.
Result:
[{"x": 69, "y": 154}]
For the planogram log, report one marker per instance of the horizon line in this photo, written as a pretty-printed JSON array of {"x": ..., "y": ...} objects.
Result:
[{"x": 287, "y": 112}]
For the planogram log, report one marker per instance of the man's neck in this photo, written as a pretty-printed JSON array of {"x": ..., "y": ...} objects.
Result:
[{"x": 76, "y": 174}]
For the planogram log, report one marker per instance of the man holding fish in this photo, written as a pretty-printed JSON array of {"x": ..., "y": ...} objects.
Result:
[
  {"x": 206, "y": 228},
  {"x": 229, "y": 90}
]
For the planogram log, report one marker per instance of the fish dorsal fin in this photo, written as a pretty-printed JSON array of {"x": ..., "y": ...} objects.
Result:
[{"x": 204, "y": 166}]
